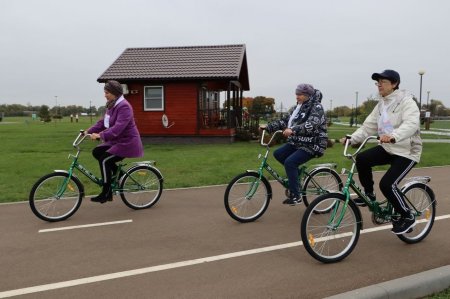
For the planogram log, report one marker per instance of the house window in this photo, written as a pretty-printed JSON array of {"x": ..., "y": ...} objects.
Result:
[{"x": 153, "y": 98}]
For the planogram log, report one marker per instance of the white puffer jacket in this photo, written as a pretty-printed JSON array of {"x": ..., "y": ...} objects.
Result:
[{"x": 404, "y": 116}]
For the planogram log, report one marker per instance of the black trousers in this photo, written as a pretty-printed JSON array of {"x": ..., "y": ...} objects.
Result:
[
  {"x": 400, "y": 166},
  {"x": 107, "y": 162}
]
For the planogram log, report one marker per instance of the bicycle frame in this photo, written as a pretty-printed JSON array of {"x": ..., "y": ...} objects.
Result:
[
  {"x": 374, "y": 206},
  {"x": 115, "y": 182},
  {"x": 265, "y": 165},
  {"x": 76, "y": 165},
  {"x": 83, "y": 170},
  {"x": 350, "y": 184},
  {"x": 386, "y": 211}
]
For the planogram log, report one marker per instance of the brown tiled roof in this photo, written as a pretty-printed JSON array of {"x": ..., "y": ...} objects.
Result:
[{"x": 174, "y": 63}]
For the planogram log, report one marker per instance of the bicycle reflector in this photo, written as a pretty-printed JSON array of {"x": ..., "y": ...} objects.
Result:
[{"x": 311, "y": 240}]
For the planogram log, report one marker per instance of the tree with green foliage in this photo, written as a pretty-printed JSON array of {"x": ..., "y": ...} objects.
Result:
[
  {"x": 262, "y": 106},
  {"x": 44, "y": 114}
]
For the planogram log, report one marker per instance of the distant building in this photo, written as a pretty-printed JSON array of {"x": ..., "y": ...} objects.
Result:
[{"x": 184, "y": 91}]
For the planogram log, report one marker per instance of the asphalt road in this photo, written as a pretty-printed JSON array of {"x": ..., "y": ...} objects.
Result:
[{"x": 187, "y": 246}]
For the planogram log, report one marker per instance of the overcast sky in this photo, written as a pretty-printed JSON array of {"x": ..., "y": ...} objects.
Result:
[{"x": 59, "y": 48}]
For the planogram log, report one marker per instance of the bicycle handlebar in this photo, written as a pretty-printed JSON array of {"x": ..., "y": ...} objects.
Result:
[
  {"x": 271, "y": 139},
  {"x": 80, "y": 138},
  {"x": 347, "y": 143}
]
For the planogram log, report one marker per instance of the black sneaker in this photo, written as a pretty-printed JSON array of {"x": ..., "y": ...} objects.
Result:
[
  {"x": 403, "y": 225},
  {"x": 292, "y": 201},
  {"x": 395, "y": 222},
  {"x": 360, "y": 202}
]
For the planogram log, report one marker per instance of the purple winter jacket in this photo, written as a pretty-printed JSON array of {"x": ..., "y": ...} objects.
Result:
[{"x": 122, "y": 134}]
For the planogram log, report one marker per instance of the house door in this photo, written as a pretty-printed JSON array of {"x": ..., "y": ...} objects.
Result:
[{"x": 209, "y": 108}]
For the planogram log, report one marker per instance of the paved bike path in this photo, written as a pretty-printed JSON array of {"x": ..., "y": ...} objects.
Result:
[{"x": 188, "y": 247}]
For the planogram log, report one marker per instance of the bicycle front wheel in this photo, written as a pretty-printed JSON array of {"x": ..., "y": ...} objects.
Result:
[
  {"x": 321, "y": 181},
  {"x": 141, "y": 187},
  {"x": 247, "y": 197},
  {"x": 55, "y": 197},
  {"x": 422, "y": 202},
  {"x": 330, "y": 237}
]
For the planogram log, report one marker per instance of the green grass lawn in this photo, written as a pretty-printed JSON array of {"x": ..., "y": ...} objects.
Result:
[
  {"x": 442, "y": 295},
  {"x": 30, "y": 149},
  {"x": 440, "y": 124}
]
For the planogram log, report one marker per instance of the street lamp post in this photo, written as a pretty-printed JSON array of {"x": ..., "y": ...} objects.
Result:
[
  {"x": 356, "y": 110},
  {"x": 421, "y": 73},
  {"x": 351, "y": 117}
]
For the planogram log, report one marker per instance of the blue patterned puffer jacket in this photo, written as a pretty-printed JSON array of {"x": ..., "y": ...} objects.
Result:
[{"x": 309, "y": 126}]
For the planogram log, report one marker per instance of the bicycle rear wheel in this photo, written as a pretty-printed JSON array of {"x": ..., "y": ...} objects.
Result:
[
  {"x": 422, "y": 199},
  {"x": 247, "y": 197},
  {"x": 55, "y": 197},
  {"x": 321, "y": 181},
  {"x": 141, "y": 187},
  {"x": 324, "y": 237}
]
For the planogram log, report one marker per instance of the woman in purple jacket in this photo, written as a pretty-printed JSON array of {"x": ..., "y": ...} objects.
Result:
[{"x": 119, "y": 134}]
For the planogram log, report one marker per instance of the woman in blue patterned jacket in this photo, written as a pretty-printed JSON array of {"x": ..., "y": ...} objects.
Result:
[{"x": 306, "y": 130}]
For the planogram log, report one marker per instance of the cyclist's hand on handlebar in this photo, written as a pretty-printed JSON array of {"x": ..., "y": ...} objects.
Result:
[
  {"x": 95, "y": 136},
  {"x": 288, "y": 132},
  {"x": 262, "y": 128},
  {"x": 342, "y": 140},
  {"x": 387, "y": 139},
  {"x": 353, "y": 145}
]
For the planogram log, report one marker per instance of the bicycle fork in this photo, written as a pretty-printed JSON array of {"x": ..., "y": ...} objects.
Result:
[
  {"x": 255, "y": 184},
  {"x": 66, "y": 183},
  {"x": 336, "y": 217}
]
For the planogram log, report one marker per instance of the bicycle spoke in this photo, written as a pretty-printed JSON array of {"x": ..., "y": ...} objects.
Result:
[
  {"x": 141, "y": 187},
  {"x": 54, "y": 198},
  {"x": 330, "y": 237},
  {"x": 421, "y": 199},
  {"x": 246, "y": 197}
]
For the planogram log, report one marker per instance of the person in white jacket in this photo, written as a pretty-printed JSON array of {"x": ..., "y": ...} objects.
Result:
[{"x": 396, "y": 120}]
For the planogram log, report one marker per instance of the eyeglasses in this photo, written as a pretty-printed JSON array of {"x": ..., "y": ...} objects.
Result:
[{"x": 379, "y": 83}]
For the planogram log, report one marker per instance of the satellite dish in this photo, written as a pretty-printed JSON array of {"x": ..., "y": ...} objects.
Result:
[{"x": 165, "y": 122}]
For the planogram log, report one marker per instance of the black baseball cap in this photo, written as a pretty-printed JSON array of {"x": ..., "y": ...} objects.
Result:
[{"x": 387, "y": 74}]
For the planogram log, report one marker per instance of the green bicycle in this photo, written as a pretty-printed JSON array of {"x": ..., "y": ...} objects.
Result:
[
  {"x": 58, "y": 195},
  {"x": 332, "y": 237},
  {"x": 248, "y": 195}
]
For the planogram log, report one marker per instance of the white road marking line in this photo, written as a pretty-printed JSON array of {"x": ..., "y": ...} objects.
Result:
[
  {"x": 84, "y": 226},
  {"x": 86, "y": 280},
  {"x": 378, "y": 228},
  {"x": 99, "y": 278}
]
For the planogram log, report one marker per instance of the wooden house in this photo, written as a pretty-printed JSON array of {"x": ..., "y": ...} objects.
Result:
[{"x": 184, "y": 91}]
